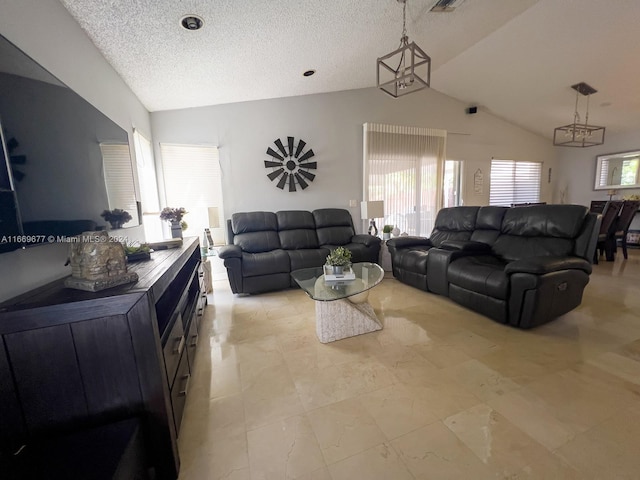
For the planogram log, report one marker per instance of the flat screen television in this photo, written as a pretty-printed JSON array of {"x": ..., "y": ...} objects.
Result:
[{"x": 53, "y": 176}]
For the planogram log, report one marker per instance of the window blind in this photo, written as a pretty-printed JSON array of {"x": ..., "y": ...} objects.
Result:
[
  {"x": 193, "y": 180},
  {"x": 118, "y": 175},
  {"x": 403, "y": 166},
  {"x": 146, "y": 173},
  {"x": 148, "y": 187},
  {"x": 514, "y": 182}
]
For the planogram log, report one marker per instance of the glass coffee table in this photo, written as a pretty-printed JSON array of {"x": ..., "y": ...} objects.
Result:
[{"x": 342, "y": 309}]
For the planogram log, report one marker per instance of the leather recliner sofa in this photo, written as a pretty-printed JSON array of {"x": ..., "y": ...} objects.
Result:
[
  {"x": 265, "y": 247},
  {"x": 522, "y": 266}
]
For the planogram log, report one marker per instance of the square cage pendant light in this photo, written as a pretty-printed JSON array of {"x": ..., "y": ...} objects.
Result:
[
  {"x": 406, "y": 69},
  {"x": 579, "y": 134}
]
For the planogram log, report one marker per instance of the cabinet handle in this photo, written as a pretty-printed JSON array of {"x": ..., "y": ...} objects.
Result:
[
  {"x": 201, "y": 274},
  {"x": 178, "y": 350},
  {"x": 183, "y": 393},
  {"x": 194, "y": 340}
]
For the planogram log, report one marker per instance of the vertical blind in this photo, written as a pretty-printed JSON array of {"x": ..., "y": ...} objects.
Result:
[
  {"x": 148, "y": 187},
  {"x": 404, "y": 167},
  {"x": 118, "y": 175},
  {"x": 514, "y": 182},
  {"x": 193, "y": 180}
]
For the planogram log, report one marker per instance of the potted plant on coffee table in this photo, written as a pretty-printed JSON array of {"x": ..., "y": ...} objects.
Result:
[{"x": 338, "y": 259}]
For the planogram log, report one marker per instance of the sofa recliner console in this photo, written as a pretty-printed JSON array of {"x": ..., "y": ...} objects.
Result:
[
  {"x": 265, "y": 247},
  {"x": 522, "y": 266}
]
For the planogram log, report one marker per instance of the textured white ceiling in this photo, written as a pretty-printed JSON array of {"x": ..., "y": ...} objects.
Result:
[{"x": 516, "y": 59}]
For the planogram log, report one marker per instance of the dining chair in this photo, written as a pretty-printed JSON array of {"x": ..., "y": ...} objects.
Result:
[
  {"x": 606, "y": 240},
  {"x": 628, "y": 212},
  {"x": 597, "y": 206}
]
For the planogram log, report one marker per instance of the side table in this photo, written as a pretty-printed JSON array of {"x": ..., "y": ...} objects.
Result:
[{"x": 385, "y": 257}]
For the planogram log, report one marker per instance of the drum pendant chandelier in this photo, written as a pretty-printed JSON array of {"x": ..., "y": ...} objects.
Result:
[{"x": 399, "y": 72}]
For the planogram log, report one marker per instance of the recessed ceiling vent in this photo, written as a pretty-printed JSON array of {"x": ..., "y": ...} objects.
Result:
[
  {"x": 446, "y": 6},
  {"x": 192, "y": 22}
]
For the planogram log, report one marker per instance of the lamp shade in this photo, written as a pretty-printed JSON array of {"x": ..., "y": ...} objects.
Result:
[
  {"x": 373, "y": 209},
  {"x": 214, "y": 217}
]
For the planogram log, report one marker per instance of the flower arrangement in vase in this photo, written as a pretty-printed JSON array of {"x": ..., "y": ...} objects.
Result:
[
  {"x": 386, "y": 232},
  {"x": 116, "y": 217},
  {"x": 174, "y": 216}
]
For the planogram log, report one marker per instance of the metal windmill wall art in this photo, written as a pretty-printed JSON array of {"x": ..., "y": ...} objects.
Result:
[{"x": 290, "y": 164}]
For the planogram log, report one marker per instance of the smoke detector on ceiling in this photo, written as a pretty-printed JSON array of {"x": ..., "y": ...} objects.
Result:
[{"x": 446, "y": 6}]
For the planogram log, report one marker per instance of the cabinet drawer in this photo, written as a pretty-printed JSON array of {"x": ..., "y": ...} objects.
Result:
[
  {"x": 179, "y": 390},
  {"x": 172, "y": 350},
  {"x": 192, "y": 340}
]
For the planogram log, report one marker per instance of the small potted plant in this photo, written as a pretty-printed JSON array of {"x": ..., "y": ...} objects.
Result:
[
  {"x": 137, "y": 251},
  {"x": 338, "y": 259},
  {"x": 386, "y": 232},
  {"x": 174, "y": 216},
  {"x": 116, "y": 217}
]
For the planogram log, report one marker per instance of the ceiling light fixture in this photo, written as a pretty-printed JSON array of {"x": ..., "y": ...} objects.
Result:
[
  {"x": 398, "y": 71},
  {"x": 578, "y": 134},
  {"x": 192, "y": 22}
]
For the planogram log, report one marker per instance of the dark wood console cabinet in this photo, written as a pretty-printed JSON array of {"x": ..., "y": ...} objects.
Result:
[{"x": 73, "y": 360}]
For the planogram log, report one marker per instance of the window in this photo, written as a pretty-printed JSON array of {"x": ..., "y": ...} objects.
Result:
[
  {"x": 148, "y": 186},
  {"x": 118, "y": 177},
  {"x": 452, "y": 184},
  {"x": 403, "y": 166},
  {"x": 514, "y": 182},
  {"x": 193, "y": 180}
]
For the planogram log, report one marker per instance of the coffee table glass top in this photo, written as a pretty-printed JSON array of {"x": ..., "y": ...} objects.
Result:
[{"x": 312, "y": 281}]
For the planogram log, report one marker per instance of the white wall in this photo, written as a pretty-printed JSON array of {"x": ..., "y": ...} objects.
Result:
[
  {"x": 331, "y": 124},
  {"x": 46, "y": 32},
  {"x": 577, "y": 168}
]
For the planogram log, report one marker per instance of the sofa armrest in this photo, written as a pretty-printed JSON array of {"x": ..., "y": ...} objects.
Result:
[
  {"x": 230, "y": 251},
  {"x": 408, "y": 241},
  {"x": 437, "y": 266},
  {"x": 366, "y": 240},
  {"x": 542, "y": 265},
  {"x": 466, "y": 246}
]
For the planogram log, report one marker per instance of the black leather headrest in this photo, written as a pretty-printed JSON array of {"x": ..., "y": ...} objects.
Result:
[
  {"x": 456, "y": 219},
  {"x": 560, "y": 221},
  {"x": 244, "y": 222},
  {"x": 295, "y": 219}
]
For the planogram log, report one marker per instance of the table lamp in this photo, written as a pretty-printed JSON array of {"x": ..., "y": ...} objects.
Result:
[{"x": 371, "y": 210}]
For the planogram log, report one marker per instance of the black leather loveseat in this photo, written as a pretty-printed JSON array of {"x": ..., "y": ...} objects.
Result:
[
  {"x": 265, "y": 247},
  {"x": 522, "y": 266}
]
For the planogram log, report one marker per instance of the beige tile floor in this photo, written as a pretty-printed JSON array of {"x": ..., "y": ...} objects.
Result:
[{"x": 439, "y": 393}]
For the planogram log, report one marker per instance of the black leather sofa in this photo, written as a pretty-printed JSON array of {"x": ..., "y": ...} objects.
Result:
[
  {"x": 265, "y": 247},
  {"x": 522, "y": 266}
]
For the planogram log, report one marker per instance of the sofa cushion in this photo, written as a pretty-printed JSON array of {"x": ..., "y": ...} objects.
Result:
[
  {"x": 255, "y": 232},
  {"x": 557, "y": 221},
  {"x": 333, "y": 226},
  {"x": 455, "y": 223},
  {"x": 307, "y": 258},
  {"x": 413, "y": 260},
  {"x": 297, "y": 229},
  {"x": 483, "y": 274},
  {"x": 488, "y": 224},
  {"x": 244, "y": 222},
  {"x": 257, "y": 242},
  {"x": 539, "y": 230},
  {"x": 275, "y": 261}
]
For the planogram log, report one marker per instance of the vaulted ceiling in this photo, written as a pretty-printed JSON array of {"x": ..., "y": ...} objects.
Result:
[{"x": 515, "y": 59}]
